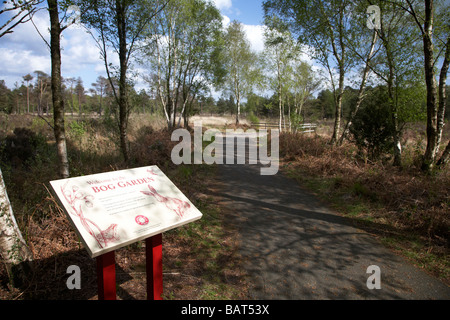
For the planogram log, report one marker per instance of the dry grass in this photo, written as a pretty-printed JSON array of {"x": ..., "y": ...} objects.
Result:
[
  {"x": 407, "y": 209},
  {"x": 216, "y": 121},
  {"x": 200, "y": 260}
]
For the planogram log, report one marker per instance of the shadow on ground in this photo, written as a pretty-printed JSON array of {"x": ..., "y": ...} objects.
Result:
[
  {"x": 295, "y": 248},
  {"x": 47, "y": 279}
]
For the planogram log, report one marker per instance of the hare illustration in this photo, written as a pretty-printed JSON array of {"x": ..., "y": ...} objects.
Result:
[
  {"x": 109, "y": 235},
  {"x": 180, "y": 207}
]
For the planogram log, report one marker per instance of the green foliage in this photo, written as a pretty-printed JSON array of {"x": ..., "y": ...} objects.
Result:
[
  {"x": 372, "y": 127},
  {"x": 6, "y": 98},
  {"x": 259, "y": 105},
  {"x": 240, "y": 62},
  {"x": 280, "y": 52},
  {"x": 252, "y": 118},
  {"x": 296, "y": 120},
  {"x": 77, "y": 129},
  {"x": 325, "y": 103},
  {"x": 226, "y": 106},
  {"x": 412, "y": 103}
]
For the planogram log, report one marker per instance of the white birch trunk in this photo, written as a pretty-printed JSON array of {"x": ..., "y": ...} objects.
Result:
[
  {"x": 159, "y": 89},
  {"x": 182, "y": 112},
  {"x": 13, "y": 249}
]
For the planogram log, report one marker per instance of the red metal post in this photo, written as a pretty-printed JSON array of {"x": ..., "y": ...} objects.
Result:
[
  {"x": 153, "y": 248},
  {"x": 106, "y": 276}
]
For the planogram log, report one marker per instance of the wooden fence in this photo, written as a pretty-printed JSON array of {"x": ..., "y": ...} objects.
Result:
[{"x": 303, "y": 127}]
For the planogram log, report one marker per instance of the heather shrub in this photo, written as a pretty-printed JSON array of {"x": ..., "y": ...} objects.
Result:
[
  {"x": 372, "y": 128},
  {"x": 22, "y": 147}
]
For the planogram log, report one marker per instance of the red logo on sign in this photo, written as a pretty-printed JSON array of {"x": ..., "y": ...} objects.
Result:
[{"x": 141, "y": 220}]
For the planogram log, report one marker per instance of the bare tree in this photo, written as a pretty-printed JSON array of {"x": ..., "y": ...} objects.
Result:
[
  {"x": 27, "y": 78},
  {"x": 71, "y": 101},
  {"x": 57, "y": 96},
  {"x": 100, "y": 88},
  {"x": 119, "y": 25},
  {"x": 42, "y": 81}
]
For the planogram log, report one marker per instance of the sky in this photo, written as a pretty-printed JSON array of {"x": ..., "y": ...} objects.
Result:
[{"x": 24, "y": 51}]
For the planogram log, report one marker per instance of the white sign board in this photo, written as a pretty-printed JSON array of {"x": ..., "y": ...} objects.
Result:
[{"x": 112, "y": 210}]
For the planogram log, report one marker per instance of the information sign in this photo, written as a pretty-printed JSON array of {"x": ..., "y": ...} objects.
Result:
[{"x": 112, "y": 210}]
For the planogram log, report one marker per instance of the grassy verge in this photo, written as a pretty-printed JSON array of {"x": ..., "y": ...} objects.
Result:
[
  {"x": 405, "y": 209},
  {"x": 203, "y": 255}
]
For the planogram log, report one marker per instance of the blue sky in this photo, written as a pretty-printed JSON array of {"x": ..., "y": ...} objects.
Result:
[
  {"x": 24, "y": 51},
  {"x": 247, "y": 11}
]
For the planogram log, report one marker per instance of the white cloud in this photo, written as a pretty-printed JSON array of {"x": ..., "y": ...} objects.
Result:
[
  {"x": 15, "y": 64},
  {"x": 225, "y": 21},
  {"x": 255, "y": 34},
  {"x": 223, "y": 4},
  {"x": 79, "y": 50},
  {"x": 24, "y": 51},
  {"x": 25, "y": 36}
]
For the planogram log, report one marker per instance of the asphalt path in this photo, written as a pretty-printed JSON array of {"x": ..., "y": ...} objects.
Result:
[{"x": 295, "y": 248}]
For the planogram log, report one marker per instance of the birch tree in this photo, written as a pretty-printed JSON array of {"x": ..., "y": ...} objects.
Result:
[
  {"x": 303, "y": 83},
  {"x": 401, "y": 65},
  {"x": 321, "y": 25},
  {"x": 363, "y": 44},
  {"x": 239, "y": 61},
  {"x": 165, "y": 49},
  {"x": 203, "y": 45},
  {"x": 13, "y": 248},
  {"x": 280, "y": 51},
  {"x": 182, "y": 55},
  {"x": 396, "y": 66}
]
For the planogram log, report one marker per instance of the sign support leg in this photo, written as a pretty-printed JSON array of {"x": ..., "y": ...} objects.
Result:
[
  {"x": 153, "y": 248},
  {"x": 106, "y": 276}
]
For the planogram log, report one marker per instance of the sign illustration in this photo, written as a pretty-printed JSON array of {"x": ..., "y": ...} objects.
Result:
[{"x": 114, "y": 209}]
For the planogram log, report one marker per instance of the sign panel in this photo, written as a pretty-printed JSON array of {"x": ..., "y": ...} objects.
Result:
[{"x": 112, "y": 210}]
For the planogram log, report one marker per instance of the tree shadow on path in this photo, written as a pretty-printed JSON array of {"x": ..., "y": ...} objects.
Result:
[{"x": 293, "y": 247}]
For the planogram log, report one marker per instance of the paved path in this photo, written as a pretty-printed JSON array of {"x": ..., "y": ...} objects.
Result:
[{"x": 295, "y": 248}]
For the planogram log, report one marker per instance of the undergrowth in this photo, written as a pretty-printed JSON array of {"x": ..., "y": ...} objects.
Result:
[{"x": 199, "y": 259}]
